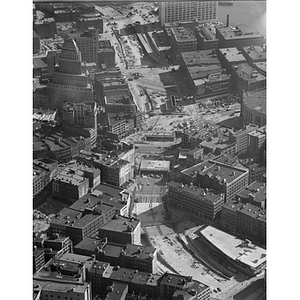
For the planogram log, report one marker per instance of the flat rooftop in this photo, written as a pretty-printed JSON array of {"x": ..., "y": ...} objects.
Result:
[
  {"x": 99, "y": 267},
  {"x": 262, "y": 66},
  {"x": 227, "y": 172},
  {"x": 73, "y": 218},
  {"x": 117, "y": 291},
  {"x": 75, "y": 258},
  {"x": 256, "y": 100},
  {"x": 183, "y": 34},
  {"x": 141, "y": 252},
  {"x": 51, "y": 271},
  {"x": 106, "y": 50},
  {"x": 202, "y": 57},
  {"x": 256, "y": 189},
  {"x": 229, "y": 159},
  {"x": 120, "y": 224},
  {"x": 248, "y": 209},
  {"x": 256, "y": 52},
  {"x": 61, "y": 287},
  {"x": 155, "y": 165},
  {"x": 246, "y": 72},
  {"x": 89, "y": 202},
  {"x": 205, "y": 33},
  {"x": 206, "y": 195},
  {"x": 216, "y": 143},
  {"x": 241, "y": 31},
  {"x": 231, "y": 246},
  {"x": 109, "y": 190},
  {"x": 233, "y": 55},
  {"x": 123, "y": 274},
  {"x": 199, "y": 72},
  {"x": 72, "y": 179}
]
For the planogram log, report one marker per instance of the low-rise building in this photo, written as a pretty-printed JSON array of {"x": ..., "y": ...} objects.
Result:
[
  {"x": 177, "y": 287},
  {"x": 82, "y": 219},
  {"x": 257, "y": 171},
  {"x": 247, "y": 220},
  {"x": 205, "y": 75},
  {"x": 257, "y": 142},
  {"x": 182, "y": 40},
  {"x": 247, "y": 79},
  {"x": 38, "y": 259},
  {"x": 238, "y": 36},
  {"x": 141, "y": 258},
  {"x": 70, "y": 185},
  {"x": 40, "y": 97},
  {"x": 255, "y": 54},
  {"x": 116, "y": 168},
  {"x": 116, "y": 291},
  {"x": 106, "y": 56},
  {"x": 122, "y": 230},
  {"x": 241, "y": 138},
  {"x": 45, "y": 28},
  {"x": 217, "y": 176},
  {"x": 254, "y": 193},
  {"x": 201, "y": 202},
  {"x": 74, "y": 167},
  {"x": 36, "y": 43},
  {"x": 102, "y": 276},
  {"x": 61, "y": 290},
  {"x": 240, "y": 255},
  {"x": 120, "y": 124},
  {"x": 194, "y": 156},
  {"x": 57, "y": 270},
  {"x": 90, "y": 20},
  {"x": 159, "y": 167},
  {"x": 206, "y": 39}
]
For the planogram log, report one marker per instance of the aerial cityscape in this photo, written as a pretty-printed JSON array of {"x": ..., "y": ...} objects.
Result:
[{"x": 149, "y": 150}]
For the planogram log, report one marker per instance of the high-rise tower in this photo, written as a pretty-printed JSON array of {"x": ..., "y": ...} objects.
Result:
[
  {"x": 185, "y": 11},
  {"x": 71, "y": 82}
]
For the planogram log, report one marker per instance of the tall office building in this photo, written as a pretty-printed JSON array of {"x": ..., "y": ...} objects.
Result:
[
  {"x": 184, "y": 11},
  {"x": 88, "y": 44},
  {"x": 71, "y": 82}
]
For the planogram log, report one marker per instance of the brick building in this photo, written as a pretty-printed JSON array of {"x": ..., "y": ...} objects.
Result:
[
  {"x": 241, "y": 138},
  {"x": 238, "y": 36},
  {"x": 198, "y": 201},
  {"x": 90, "y": 20},
  {"x": 122, "y": 230},
  {"x": 247, "y": 220},
  {"x": 205, "y": 38},
  {"x": 116, "y": 168},
  {"x": 217, "y": 176},
  {"x": 141, "y": 258},
  {"x": 254, "y": 193},
  {"x": 45, "y": 28},
  {"x": 204, "y": 73},
  {"x": 79, "y": 224},
  {"x": 70, "y": 185}
]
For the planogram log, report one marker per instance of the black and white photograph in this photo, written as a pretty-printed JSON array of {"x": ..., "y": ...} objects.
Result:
[
  {"x": 146, "y": 150},
  {"x": 149, "y": 150}
]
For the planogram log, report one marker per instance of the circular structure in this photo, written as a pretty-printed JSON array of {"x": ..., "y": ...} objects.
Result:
[{"x": 253, "y": 108}]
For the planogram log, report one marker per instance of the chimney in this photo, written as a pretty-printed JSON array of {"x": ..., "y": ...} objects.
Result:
[{"x": 227, "y": 23}]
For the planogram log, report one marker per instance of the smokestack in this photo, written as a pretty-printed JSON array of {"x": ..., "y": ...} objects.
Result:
[{"x": 227, "y": 23}]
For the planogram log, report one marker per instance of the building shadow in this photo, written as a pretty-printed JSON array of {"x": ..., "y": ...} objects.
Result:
[{"x": 233, "y": 122}]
